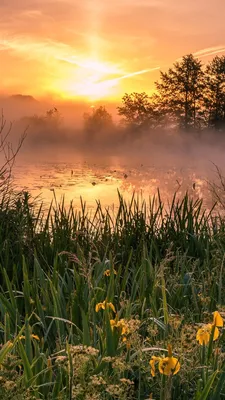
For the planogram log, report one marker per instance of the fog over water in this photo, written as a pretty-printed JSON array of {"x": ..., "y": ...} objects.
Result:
[{"x": 69, "y": 161}]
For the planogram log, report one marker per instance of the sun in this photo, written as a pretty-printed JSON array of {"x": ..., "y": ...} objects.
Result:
[
  {"x": 93, "y": 89},
  {"x": 90, "y": 79}
]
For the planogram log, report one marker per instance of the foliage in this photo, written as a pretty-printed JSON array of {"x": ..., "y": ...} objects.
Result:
[
  {"x": 45, "y": 128},
  {"x": 99, "y": 120},
  {"x": 215, "y": 93},
  {"x": 188, "y": 97},
  {"x": 86, "y": 302},
  {"x": 138, "y": 111},
  {"x": 180, "y": 92}
]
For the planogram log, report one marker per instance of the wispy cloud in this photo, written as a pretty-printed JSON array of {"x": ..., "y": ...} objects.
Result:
[
  {"x": 34, "y": 49},
  {"x": 96, "y": 42}
]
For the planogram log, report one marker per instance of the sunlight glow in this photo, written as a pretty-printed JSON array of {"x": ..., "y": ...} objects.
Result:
[{"x": 97, "y": 79}]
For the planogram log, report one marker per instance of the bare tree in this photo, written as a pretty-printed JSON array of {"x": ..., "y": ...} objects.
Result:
[{"x": 8, "y": 153}]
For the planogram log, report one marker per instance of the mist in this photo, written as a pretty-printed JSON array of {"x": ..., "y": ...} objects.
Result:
[{"x": 76, "y": 162}]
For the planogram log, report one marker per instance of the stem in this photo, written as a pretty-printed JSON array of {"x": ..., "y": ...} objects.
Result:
[{"x": 163, "y": 387}]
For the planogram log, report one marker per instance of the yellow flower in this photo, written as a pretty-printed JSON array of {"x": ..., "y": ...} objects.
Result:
[
  {"x": 100, "y": 306},
  {"x": 217, "y": 319},
  {"x": 121, "y": 324},
  {"x": 104, "y": 305},
  {"x": 107, "y": 272},
  {"x": 167, "y": 365},
  {"x": 110, "y": 305},
  {"x": 35, "y": 337},
  {"x": 204, "y": 333},
  {"x": 124, "y": 327},
  {"x": 113, "y": 323},
  {"x": 22, "y": 337},
  {"x": 152, "y": 362}
]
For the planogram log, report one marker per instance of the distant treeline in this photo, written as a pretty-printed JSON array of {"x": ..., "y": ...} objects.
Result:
[{"x": 189, "y": 97}]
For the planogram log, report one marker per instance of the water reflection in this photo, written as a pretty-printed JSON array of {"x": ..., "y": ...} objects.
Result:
[{"x": 101, "y": 182}]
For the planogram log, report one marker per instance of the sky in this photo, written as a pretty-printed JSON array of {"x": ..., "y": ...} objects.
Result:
[{"x": 93, "y": 49}]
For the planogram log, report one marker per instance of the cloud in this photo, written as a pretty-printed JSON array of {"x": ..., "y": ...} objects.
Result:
[
  {"x": 31, "y": 48},
  {"x": 121, "y": 41}
]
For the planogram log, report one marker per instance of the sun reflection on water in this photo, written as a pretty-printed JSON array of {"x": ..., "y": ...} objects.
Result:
[{"x": 100, "y": 182}]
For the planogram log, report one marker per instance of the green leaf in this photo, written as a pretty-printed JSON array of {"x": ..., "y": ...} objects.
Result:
[
  {"x": 207, "y": 388},
  {"x": 5, "y": 350},
  {"x": 28, "y": 374},
  {"x": 86, "y": 330},
  {"x": 110, "y": 343}
]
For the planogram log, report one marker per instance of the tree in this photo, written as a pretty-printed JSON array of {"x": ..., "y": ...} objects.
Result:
[
  {"x": 180, "y": 93},
  {"x": 98, "y": 121},
  {"x": 8, "y": 154},
  {"x": 44, "y": 128},
  {"x": 51, "y": 120},
  {"x": 138, "y": 111},
  {"x": 215, "y": 93}
]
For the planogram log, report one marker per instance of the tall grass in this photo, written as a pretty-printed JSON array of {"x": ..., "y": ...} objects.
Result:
[{"x": 168, "y": 278}]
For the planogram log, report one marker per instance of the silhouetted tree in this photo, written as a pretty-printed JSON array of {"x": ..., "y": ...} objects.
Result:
[
  {"x": 44, "y": 128},
  {"x": 98, "y": 121},
  {"x": 180, "y": 93},
  {"x": 215, "y": 93},
  {"x": 138, "y": 111},
  {"x": 51, "y": 120},
  {"x": 53, "y": 117}
]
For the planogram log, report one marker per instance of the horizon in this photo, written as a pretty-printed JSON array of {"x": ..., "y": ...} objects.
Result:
[{"x": 95, "y": 51}]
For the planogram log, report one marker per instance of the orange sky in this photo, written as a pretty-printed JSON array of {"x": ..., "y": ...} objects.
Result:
[{"x": 95, "y": 49}]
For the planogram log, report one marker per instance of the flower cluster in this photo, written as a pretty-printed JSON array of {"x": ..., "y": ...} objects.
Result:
[
  {"x": 121, "y": 324},
  {"x": 123, "y": 328}
]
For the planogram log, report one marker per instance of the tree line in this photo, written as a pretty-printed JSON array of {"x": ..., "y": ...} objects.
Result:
[{"x": 189, "y": 96}]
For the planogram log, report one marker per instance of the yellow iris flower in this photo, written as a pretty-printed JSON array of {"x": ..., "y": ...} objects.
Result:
[
  {"x": 121, "y": 324},
  {"x": 204, "y": 333},
  {"x": 104, "y": 305},
  {"x": 169, "y": 366},
  {"x": 152, "y": 363},
  {"x": 107, "y": 272},
  {"x": 217, "y": 319},
  {"x": 166, "y": 365},
  {"x": 22, "y": 337}
]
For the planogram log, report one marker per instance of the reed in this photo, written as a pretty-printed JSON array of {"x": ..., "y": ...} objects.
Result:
[{"x": 155, "y": 273}]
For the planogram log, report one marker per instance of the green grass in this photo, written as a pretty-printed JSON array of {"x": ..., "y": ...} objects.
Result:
[{"x": 169, "y": 262}]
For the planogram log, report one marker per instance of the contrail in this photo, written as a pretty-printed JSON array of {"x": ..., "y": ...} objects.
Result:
[
  {"x": 143, "y": 71},
  {"x": 209, "y": 51},
  {"x": 112, "y": 82}
]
